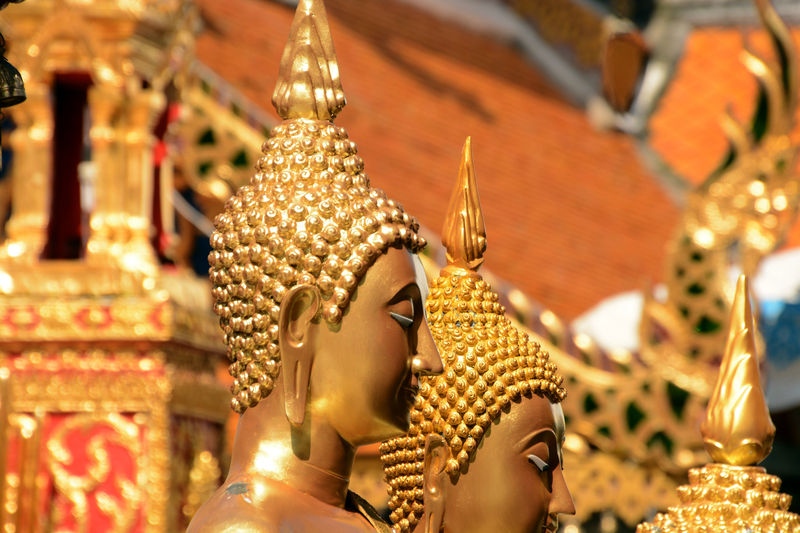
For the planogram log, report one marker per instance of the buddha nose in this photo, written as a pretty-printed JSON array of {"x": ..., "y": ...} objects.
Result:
[
  {"x": 427, "y": 361},
  {"x": 561, "y": 501}
]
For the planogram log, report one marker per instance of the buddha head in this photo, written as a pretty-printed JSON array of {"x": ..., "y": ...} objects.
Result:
[
  {"x": 310, "y": 264},
  {"x": 484, "y": 449}
]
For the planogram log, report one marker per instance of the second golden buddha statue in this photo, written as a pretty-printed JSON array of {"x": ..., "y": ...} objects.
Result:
[
  {"x": 319, "y": 295},
  {"x": 484, "y": 449}
]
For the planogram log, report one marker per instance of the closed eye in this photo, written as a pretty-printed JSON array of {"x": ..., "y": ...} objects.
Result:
[
  {"x": 404, "y": 321},
  {"x": 537, "y": 461}
]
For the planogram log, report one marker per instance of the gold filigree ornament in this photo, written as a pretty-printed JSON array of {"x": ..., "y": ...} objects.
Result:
[
  {"x": 308, "y": 217},
  {"x": 79, "y": 489},
  {"x": 90, "y": 412},
  {"x": 488, "y": 363},
  {"x": 733, "y": 495}
]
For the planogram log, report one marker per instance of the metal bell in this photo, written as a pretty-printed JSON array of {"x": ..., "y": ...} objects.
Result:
[{"x": 12, "y": 89}]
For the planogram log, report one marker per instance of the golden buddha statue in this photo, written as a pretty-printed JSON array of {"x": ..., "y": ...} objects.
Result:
[
  {"x": 319, "y": 295},
  {"x": 732, "y": 494},
  {"x": 499, "y": 392}
]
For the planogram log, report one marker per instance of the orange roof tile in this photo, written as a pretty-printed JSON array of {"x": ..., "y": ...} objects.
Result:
[{"x": 571, "y": 216}]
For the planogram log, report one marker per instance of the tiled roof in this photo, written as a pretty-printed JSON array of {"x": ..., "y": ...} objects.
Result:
[{"x": 571, "y": 215}]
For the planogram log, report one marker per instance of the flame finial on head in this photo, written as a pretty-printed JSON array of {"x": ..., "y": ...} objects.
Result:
[
  {"x": 464, "y": 234},
  {"x": 308, "y": 82},
  {"x": 738, "y": 430}
]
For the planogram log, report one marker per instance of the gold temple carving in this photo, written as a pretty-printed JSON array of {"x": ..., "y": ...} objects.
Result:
[{"x": 740, "y": 214}]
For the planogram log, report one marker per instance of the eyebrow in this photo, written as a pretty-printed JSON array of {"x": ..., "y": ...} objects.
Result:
[
  {"x": 405, "y": 292},
  {"x": 537, "y": 436}
]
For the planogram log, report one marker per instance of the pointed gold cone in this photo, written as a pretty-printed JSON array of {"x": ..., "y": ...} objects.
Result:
[
  {"x": 738, "y": 430},
  {"x": 730, "y": 494},
  {"x": 308, "y": 82},
  {"x": 464, "y": 234}
]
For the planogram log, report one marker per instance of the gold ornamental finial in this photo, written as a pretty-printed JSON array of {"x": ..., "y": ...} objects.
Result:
[
  {"x": 738, "y": 430},
  {"x": 464, "y": 234},
  {"x": 308, "y": 82},
  {"x": 732, "y": 494}
]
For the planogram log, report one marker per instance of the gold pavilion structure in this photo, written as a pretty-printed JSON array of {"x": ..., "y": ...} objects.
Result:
[{"x": 112, "y": 415}]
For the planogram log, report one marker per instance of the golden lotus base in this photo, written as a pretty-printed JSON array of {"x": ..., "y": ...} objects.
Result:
[{"x": 723, "y": 498}]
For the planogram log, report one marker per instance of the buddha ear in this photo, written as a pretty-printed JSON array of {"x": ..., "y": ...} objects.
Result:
[
  {"x": 298, "y": 308},
  {"x": 435, "y": 481}
]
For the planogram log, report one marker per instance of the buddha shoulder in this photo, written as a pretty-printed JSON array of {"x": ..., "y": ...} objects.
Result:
[
  {"x": 254, "y": 504},
  {"x": 232, "y": 510}
]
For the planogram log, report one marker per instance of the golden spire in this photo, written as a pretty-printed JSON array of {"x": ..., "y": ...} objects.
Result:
[
  {"x": 738, "y": 430},
  {"x": 308, "y": 82},
  {"x": 464, "y": 234},
  {"x": 731, "y": 494}
]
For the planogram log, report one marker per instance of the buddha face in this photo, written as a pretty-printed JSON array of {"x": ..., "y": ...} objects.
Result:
[
  {"x": 364, "y": 378},
  {"x": 515, "y": 483}
]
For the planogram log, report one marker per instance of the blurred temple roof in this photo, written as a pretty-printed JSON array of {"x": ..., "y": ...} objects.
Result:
[
  {"x": 572, "y": 215},
  {"x": 579, "y": 203}
]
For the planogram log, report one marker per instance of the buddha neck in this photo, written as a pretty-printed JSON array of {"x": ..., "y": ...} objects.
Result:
[{"x": 313, "y": 458}]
